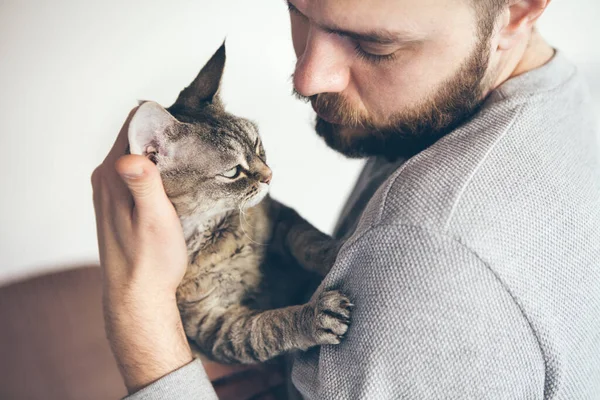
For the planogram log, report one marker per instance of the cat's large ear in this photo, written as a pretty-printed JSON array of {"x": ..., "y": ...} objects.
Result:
[
  {"x": 148, "y": 130},
  {"x": 205, "y": 88}
]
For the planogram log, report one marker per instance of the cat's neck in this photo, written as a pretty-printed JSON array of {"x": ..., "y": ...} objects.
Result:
[{"x": 200, "y": 230}]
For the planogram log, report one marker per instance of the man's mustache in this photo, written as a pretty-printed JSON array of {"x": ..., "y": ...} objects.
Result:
[
  {"x": 333, "y": 104},
  {"x": 297, "y": 95},
  {"x": 301, "y": 97}
]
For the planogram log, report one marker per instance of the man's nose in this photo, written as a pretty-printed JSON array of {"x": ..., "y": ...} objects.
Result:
[{"x": 322, "y": 68}]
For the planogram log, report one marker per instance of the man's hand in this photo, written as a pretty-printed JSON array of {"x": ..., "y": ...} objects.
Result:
[{"x": 143, "y": 257}]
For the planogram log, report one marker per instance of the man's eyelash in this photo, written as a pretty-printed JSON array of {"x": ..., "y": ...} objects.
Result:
[
  {"x": 293, "y": 9},
  {"x": 373, "y": 58}
]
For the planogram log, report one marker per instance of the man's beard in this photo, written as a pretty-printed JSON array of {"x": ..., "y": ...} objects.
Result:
[{"x": 410, "y": 132}]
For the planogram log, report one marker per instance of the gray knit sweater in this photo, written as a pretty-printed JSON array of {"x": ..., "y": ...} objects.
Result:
[{"x": 474, "y": 265}]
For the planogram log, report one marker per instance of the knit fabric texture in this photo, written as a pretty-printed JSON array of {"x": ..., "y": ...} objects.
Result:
[{"x": 474, "y": 266}]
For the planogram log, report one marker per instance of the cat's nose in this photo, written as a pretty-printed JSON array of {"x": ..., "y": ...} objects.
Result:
[{"x": 266, "y": 178}]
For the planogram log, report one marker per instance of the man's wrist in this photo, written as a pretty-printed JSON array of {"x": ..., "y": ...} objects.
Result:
[{"x": 146, "y": 336}]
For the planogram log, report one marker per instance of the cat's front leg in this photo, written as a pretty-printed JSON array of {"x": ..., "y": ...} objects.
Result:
[
  {"x": 312, "y": 249},
  {"x": 247, "y": 336},
  {"x": 330, "y": 319}
]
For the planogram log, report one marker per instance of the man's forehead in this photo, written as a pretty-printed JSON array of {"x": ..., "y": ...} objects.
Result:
[{"x": 405, "y": 19}]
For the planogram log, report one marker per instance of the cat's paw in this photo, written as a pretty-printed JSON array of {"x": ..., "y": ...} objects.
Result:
[{"x": 332, "y": 317}]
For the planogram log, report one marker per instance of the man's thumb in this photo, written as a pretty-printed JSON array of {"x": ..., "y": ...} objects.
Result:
[{"x": 143, "y": 180}]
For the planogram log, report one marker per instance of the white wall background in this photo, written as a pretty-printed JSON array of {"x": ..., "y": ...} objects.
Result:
[{"x": 71, "y": 70}]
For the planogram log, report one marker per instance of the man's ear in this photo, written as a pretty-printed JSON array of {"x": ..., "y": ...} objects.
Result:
[
  {"x": 148, "y": 130},
  {"x": 518, "y": 19}
]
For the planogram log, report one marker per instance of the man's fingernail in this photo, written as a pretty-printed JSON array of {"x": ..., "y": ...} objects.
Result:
[{"x": 134, "y": 173}]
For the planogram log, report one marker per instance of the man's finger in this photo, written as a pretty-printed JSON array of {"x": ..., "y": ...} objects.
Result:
[
  {"x": 143, "y": 181},
  {"x": 117, "y": 199},
  {"x": 120, "y": 145}
]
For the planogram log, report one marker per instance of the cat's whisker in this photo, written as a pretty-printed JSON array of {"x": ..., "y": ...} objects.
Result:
[
  {"x": 243, "y": 229},
  {"x": 243, "y": 213}
]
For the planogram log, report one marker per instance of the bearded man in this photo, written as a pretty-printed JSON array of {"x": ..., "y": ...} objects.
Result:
[{"x": 472, "y": 237}]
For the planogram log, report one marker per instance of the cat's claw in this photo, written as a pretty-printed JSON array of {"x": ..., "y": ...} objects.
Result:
[{"x": 332, "y": 317}]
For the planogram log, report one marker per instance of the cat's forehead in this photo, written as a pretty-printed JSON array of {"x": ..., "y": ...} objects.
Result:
[
  {"x": 227, "y": 133},
  {"x": 220, "y": 125},
  {"x": 214, "y": 144}
]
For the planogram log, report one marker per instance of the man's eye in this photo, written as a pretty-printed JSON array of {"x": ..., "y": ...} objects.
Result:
[
  {"x": 373, "y": 58},
  {"x": 232, "y": 173}
]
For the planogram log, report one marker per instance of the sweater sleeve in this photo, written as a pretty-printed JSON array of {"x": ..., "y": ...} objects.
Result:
[
  {"x": 431, "y": 321},
  {"x": 188, "y": 382}
]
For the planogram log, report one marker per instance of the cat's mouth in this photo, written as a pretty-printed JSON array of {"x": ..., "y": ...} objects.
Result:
[{"x": 257, "y": 196}]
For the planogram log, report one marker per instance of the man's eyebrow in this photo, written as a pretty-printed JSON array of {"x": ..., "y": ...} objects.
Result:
[{"x": 378, "y": 36}]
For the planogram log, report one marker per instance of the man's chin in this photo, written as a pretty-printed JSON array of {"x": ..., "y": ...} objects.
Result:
[
  {"x": 351, "y": 132},
  {"x": 344, "y": 139},
  {"x": 391, "y": 143}
]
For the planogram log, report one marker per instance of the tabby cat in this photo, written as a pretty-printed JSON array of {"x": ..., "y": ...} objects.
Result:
[{"x": 251, "y": 259}]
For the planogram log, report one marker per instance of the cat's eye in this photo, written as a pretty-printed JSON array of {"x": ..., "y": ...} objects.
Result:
[
  {"x": 233, "y": 172},
  {"x": 259, "y": 150}
]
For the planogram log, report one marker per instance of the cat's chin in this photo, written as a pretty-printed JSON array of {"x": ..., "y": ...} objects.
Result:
[{"x": 264, "y": 190}]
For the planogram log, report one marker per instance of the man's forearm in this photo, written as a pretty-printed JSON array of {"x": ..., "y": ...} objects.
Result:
[{"x": 146, "y": 337}]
